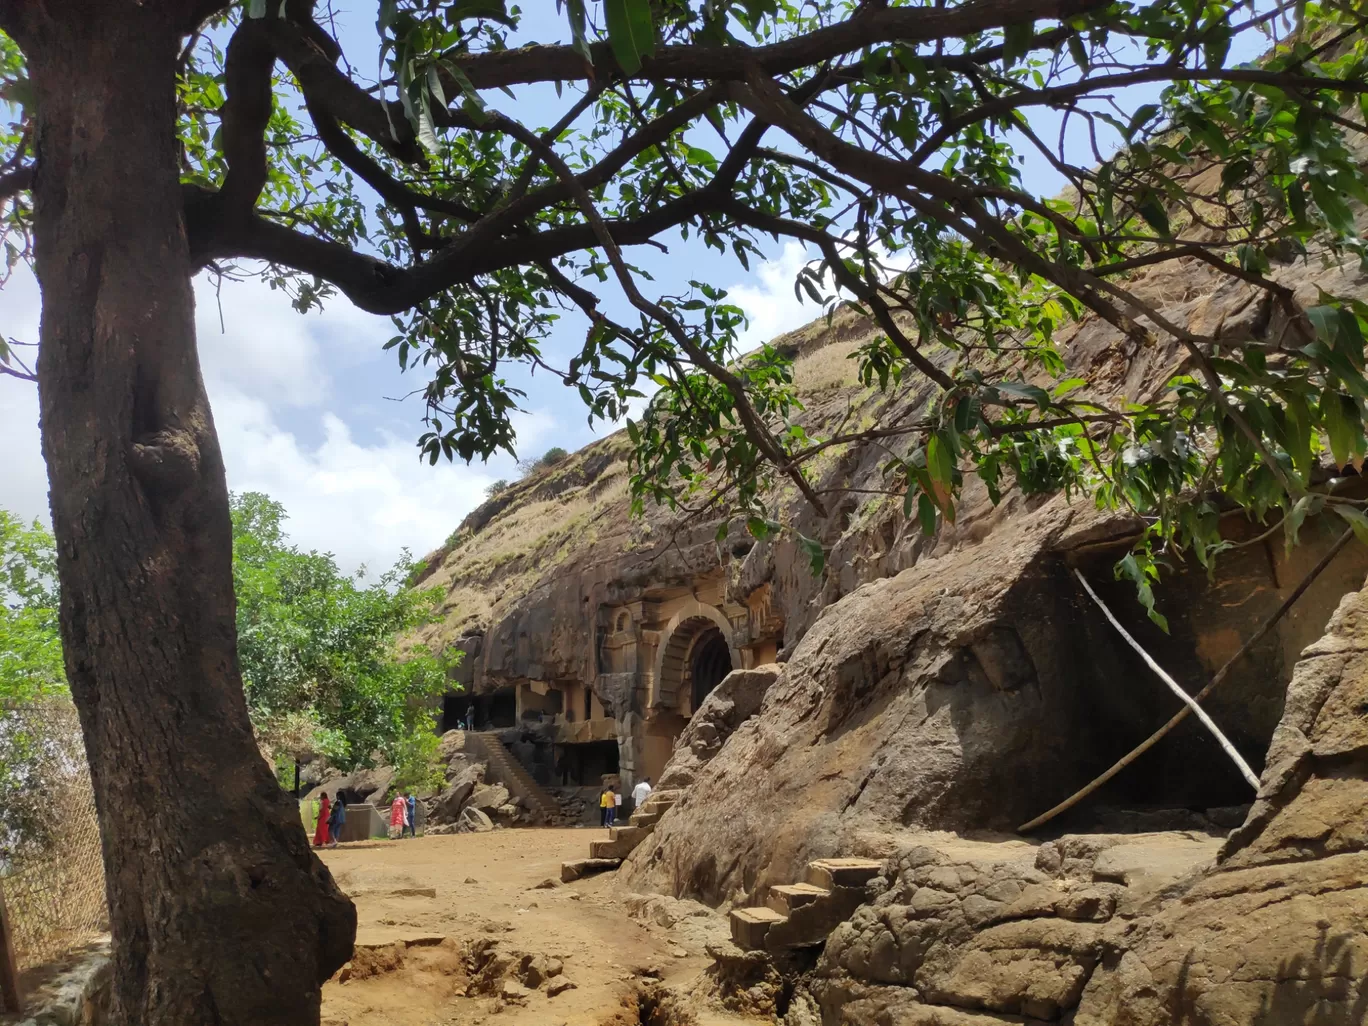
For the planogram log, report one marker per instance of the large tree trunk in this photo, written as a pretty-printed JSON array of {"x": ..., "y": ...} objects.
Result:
[{"x": 219, "y": 910}]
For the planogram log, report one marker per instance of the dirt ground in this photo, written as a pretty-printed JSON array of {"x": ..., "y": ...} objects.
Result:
[{"x": 450, "y": 929}]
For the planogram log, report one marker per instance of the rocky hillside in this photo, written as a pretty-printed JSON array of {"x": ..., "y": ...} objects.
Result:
[
  {"x": 525, "y": 572},
  {"x": 965, "y": 683}
]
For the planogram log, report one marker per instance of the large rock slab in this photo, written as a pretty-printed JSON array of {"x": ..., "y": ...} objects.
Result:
[
  {"x": 447, "y": 806},
  {"x": 1275, "y": 932}
]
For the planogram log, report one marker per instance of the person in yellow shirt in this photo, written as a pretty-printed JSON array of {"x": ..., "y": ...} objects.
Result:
[{"x": 605, "y": 803}]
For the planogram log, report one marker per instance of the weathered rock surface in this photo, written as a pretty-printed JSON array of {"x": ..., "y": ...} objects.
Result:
[
  {"x": 726, "y": 707},
  {"x": 1263, "y": 929},
  {"x": 447, "y": 806},
  {"x": 488, "y": 797},
  {"x": 963, "y": 682},
  {"x": 474, "y": 820},
  {"x": 1275, "y": 932}
]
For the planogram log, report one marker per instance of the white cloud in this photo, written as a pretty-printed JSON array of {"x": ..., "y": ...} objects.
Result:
[
  {"x": 23, "y": 477},
  {"x": 361, "y": 502},
  {"x": 771, "y": 306},
  {"x": 357, "y": 489}
]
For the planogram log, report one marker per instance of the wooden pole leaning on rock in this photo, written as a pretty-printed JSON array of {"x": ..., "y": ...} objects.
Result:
[
  {"x": 1173, "y": 686},
  {"x": 10, "y": 1000},
  {"x": 1182, "y": 714}
]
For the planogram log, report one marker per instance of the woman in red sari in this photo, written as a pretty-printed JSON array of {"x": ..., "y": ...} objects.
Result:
[{"x": 321, "y": 831}]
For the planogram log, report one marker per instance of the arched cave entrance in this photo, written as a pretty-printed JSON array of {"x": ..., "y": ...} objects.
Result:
[
  {"x": 709, "y": 662},
  {"x": 693, "y": 658}
]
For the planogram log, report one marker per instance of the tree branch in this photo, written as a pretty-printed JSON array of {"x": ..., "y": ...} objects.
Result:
[{"x": 869, "y": 26}]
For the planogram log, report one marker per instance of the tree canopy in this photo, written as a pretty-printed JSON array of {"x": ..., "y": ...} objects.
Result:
[
  {"x": 318, "y": 649},
  {"x": 887, "y": 137}
]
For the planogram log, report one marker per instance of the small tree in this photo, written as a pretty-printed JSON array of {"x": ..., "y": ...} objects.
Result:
[{"x": 317, "y": 649}]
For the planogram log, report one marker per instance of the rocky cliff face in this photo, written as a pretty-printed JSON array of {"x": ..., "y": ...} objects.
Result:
[
  {"x": 964, "y": 683},
  {"x": 1139, "y": 930}
]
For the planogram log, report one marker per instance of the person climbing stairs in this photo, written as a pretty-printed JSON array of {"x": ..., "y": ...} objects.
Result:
[{"x": 608, "y": 853}]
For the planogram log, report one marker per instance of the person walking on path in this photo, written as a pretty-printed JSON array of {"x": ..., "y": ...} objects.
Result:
[
  {"x": 337, "y": 820},
  {"x": 640, "y": 793},
  {"x": 613, "y": 799},
  {"x": 470, "y": 716},
  {"x": 605, "y": 803},
  {"x": 321, "y": 830},
  {"x": 617, "y": 806},
  {"x": 411, "y": 814},
  {"x": 398, "y": 813}
]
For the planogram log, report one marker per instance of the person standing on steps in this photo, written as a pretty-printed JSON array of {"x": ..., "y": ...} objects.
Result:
[
  {"x": 617, "y": 806},
  {"x": 640, "y": 793},
  {"x": 612, "y": 798},
  {"x": 605, "y": 803},
  {"x": 398, "y": 813},
  {"x": 470, "y": 716},
  {"x": 321, "y": 830},
  {"x": 337, "y": 820},
  {"x": 563, "y": 767},
  {"x": 411, "y": 814}
]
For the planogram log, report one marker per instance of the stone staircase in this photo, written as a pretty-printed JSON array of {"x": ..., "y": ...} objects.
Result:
[
  {"x": 801, "y": 915},
  {"x": 622, "y": 840},
  {"x": 513, "y": 775}
]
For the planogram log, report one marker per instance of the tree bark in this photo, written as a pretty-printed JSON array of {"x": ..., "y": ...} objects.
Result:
[{"x": 219, "y": 910}]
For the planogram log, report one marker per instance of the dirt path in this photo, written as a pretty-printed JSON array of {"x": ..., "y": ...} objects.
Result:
[{"x": 431, "y": 911}]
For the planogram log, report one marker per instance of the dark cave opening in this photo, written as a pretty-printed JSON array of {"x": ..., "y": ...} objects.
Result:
[{"x": 709, "y": 662}]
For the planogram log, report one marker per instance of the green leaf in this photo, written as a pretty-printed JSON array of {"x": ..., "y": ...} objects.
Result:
[
  {"x": 1152, "y": 209},
  {"x": 1338, "y": 214},
  {"x": 940, "y": 460},
  {"x": 1131, "y": 569},
  {"x": 631, "y": 32},
  {"x": 926, "y": 514},
  {"x": 579, "y": 40},
  {"x": 1078, "y": 52},
  {"x": 1016, "y": 41},
  {"x": 1021, "y": 390},
  {"x": 494, "y": 10},
  {"x": 813, "y": 550},
  {"x": 1356, "y": 520},
  {"x": 1140, "y": 118}
]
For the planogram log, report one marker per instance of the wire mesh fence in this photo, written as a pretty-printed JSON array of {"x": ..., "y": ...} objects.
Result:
[{"x": 50, "y": 863}]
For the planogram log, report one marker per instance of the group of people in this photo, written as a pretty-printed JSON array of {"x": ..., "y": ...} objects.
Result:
[
  {"x": 403, "y": 816},
  {"x": 610, "y": 801},
  {"x": 331, "y": 817}
]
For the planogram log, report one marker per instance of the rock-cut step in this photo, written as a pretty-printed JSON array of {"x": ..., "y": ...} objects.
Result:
[
  {"x": 801, "y": 915},
  {"x": 608, "y": 853}
]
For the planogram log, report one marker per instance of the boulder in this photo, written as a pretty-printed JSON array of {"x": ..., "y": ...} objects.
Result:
[
  {"x": 452, "y": 743},
  {"x": 362, "y": 785},
  {"x": 447, "y": 806},
  {"x": 1273, "y": 932},
  {"x": 474, "y": 820},
  {"x": 488, "y": 797},
  {"x": 726, "y": 707}
]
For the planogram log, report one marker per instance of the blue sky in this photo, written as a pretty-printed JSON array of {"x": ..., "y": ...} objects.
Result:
[{"x": 310, "y": 409}]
